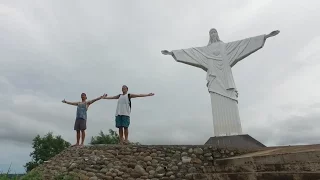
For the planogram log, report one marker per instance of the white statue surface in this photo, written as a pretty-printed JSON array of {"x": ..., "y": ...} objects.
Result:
[{"x": 217, "y": 59}]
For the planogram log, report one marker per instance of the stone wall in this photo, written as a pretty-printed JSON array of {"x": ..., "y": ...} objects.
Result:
[{"x": 136, "y": 162}]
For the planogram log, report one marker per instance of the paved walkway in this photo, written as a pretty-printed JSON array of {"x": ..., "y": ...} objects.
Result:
[{"x": 281, "y": 150}]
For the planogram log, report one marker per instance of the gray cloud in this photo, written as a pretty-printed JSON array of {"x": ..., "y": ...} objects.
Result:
[
  {"x": 56, "y": 50},
  {"x": 291, "y": 131}
]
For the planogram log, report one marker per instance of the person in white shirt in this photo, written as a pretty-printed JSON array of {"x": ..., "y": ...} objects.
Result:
[{"x": 123, "y": 111}]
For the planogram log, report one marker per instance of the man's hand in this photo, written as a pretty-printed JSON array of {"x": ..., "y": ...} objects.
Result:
[
  {"x": 166, "y": 52},
  {"x": 97, "y": 99},
  {"x": 103, "y": 96},
  {"x": 64, "y": 101},
  {"x": 151, "y": 94},
  {"x": 273, "y": 33}
]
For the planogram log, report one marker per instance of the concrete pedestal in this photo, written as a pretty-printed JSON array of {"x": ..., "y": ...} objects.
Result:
[{"x": 243, "y": 141}]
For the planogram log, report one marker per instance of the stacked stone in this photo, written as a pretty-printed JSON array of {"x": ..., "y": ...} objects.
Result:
[{"x": 112, "y": 162}]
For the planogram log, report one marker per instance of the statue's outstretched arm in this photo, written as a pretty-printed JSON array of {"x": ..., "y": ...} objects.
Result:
[
  {"x": 273, "y": 33},
  {"x": 183, "y": 57},
  {"x": 239, "y": 50}
]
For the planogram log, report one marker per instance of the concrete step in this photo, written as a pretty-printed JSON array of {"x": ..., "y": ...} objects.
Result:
[
  {"x": 266, "y": 161},
  {"x": 275, "y": 175},
  {"x": 294, "y": 167}
]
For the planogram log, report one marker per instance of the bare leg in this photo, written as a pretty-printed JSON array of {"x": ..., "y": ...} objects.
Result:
[
  {"x": 83, "y": 133},
  {"x": 126, "y": 133},
  {"x": 121, "y": 135},
  {"x": 78, "y": 138}
]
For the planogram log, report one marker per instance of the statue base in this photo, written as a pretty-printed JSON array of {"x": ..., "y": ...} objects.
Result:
[{"x": 243, "y": 141}]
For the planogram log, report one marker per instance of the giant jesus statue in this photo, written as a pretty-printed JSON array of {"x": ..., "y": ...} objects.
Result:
[{"x": 217, "y": 59}]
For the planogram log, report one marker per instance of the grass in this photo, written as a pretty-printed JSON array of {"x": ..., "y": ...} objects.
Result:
[
  {"x": 30, "y": 176},
  {"x": 33, "y": 175},
  {"x": 8, "y": 175}
]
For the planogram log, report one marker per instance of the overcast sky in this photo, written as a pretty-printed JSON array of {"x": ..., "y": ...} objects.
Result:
[{"x": 51, "y": 50}]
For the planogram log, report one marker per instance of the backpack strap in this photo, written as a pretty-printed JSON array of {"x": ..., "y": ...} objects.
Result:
[{"x": 129, "y": 101}]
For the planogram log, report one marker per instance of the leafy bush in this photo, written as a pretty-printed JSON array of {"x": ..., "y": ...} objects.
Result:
[{"x": 111, "y": 138}]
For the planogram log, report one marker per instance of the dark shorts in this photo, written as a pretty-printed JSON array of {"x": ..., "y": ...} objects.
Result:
[
  {"x": 80, "y": 124},
  {"x": 122, "y": 121}
]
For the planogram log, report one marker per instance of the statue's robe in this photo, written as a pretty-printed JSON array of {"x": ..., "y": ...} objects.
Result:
[{"x": 217, "y": 59}]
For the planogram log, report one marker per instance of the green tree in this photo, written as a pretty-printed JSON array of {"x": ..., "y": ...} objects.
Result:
[{"x": 45, "y": 148}]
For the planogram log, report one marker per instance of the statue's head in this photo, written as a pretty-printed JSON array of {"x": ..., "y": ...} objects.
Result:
[{"x": 214, "y": 36}]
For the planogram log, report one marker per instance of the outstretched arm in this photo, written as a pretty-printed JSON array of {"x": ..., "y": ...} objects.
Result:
[
  {"x": 112, "y": 97},
  {"x": 273, "y": 33},
  {"x": 94, "y": 100},
  {"x": 238, "y": 50},
  {"x": 70, "y": 103},
  {"x": 141, "y": 95},
  {"x": 188, "y": 56}
]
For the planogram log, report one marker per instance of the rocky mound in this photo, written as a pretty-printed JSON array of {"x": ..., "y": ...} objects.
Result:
[{"x": 116, "y": 162}]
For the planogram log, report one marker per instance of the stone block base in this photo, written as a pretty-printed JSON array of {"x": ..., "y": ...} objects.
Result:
[{"x": 243, "y": 141}]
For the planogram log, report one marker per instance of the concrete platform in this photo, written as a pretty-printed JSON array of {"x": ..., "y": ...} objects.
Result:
[
  {"x": 285, "y": 163},
  {"x": 243, "y": 141}
]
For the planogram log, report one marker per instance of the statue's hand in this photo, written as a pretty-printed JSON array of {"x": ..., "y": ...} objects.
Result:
[
  {"x": 273, "y": 33},
  {"x": 166, "y": 52}
]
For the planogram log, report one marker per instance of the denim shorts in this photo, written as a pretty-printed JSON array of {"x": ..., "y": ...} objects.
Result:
[{"x": 122, "y": 121}]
